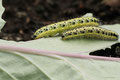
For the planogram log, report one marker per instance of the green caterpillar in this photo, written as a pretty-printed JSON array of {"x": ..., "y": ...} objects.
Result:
[
  {"x": 90, "y": 32},
  {"x": 60, "y": 27}
]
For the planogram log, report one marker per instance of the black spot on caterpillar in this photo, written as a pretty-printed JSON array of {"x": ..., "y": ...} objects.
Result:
[
  {"x": 60, "y": 27},
  {"x": 90, "y": 32}
]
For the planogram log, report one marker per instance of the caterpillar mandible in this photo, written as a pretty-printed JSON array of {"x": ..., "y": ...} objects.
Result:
[
  {"x": 60, "y": 27},
  {"x": 90, "y": 32}
]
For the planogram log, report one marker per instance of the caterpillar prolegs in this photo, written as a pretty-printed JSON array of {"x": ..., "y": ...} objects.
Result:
[
  {"x": 90, "y": 32},
  {"x": 60, "y": 27}
]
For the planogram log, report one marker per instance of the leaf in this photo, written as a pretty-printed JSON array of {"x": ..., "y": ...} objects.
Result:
[
  {"x": 2, "y": 22},
  {"x": 20, "y": 66}
]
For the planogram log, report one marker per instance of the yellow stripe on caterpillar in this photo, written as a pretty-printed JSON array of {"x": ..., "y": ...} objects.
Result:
[
  {"x": 60, "y": 27},
  {"x": 90, "y": 33}
]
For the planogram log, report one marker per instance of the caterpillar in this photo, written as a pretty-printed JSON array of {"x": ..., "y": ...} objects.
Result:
[
  {"x": 60, "y": 27},
  {"x": 91, "y": 33}
]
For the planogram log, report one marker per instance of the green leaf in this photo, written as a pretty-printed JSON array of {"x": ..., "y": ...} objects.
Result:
[
  {"x": 2, "y": 22},
  {"x": 20, "y": 66}
]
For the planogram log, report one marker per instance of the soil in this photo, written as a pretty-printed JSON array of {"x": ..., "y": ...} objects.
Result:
[
  {"x": 24, "y": 17},
  {"x": 113, "y": 51}
]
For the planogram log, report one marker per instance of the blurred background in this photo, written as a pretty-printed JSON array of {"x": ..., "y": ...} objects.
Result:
[{"x": 24, "y": 17}]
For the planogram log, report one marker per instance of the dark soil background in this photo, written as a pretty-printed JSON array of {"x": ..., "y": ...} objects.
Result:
[{"x": 24, "y": 17}]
